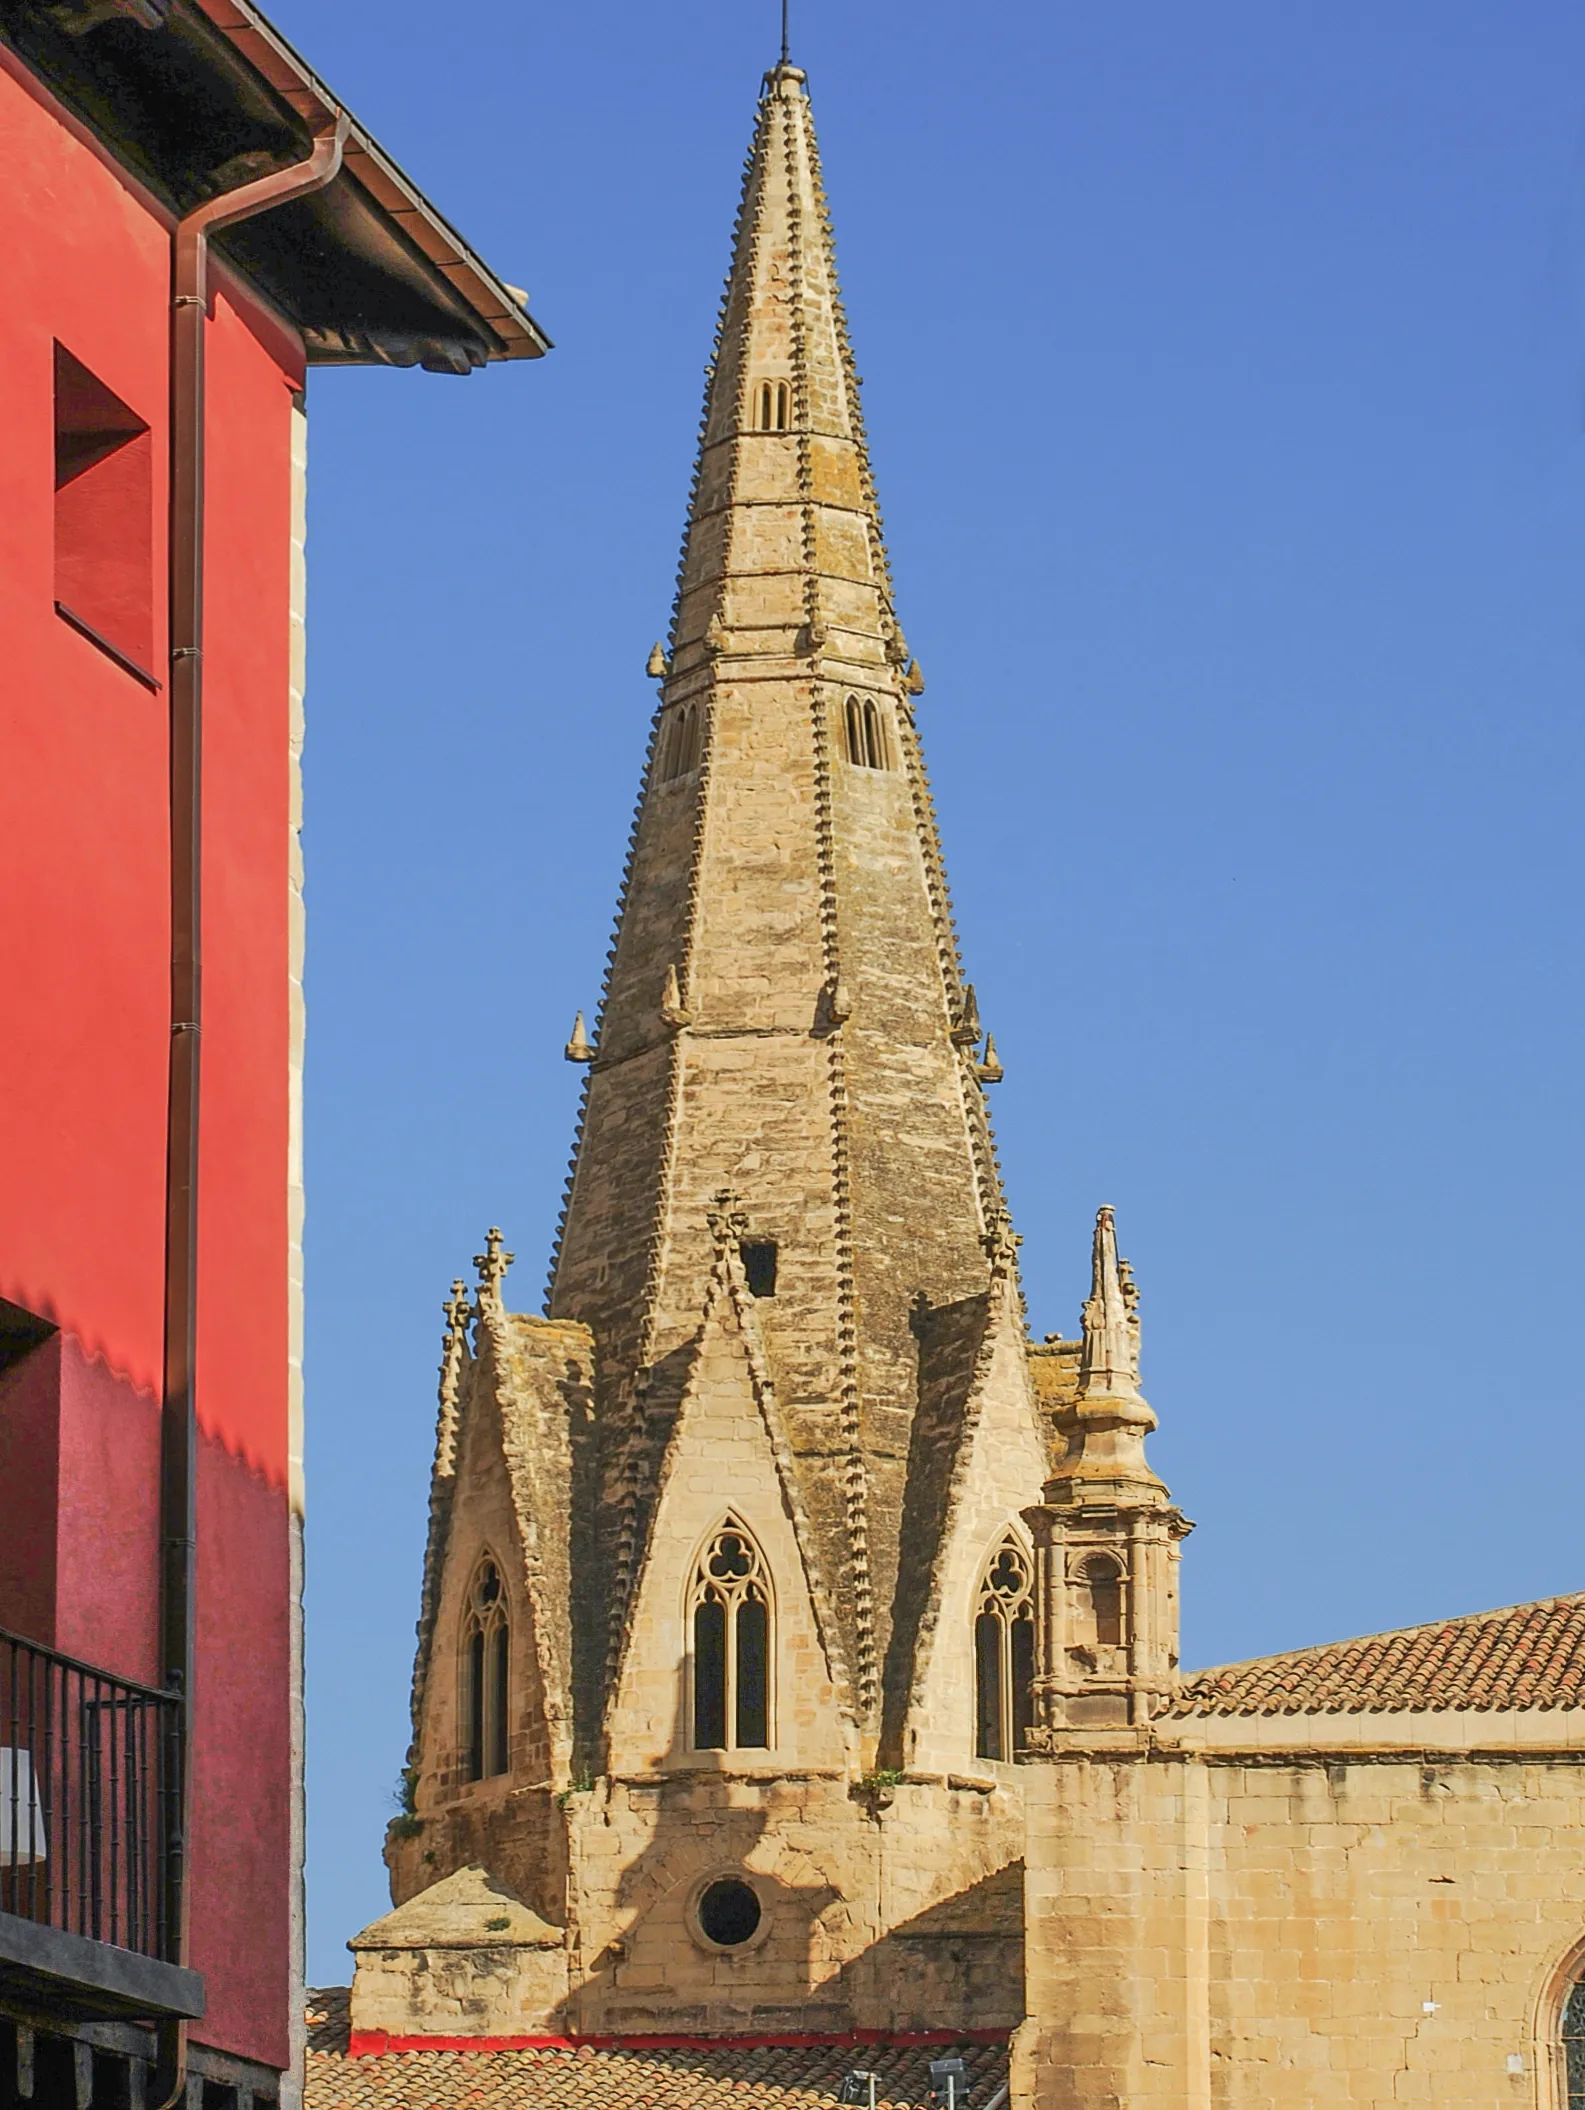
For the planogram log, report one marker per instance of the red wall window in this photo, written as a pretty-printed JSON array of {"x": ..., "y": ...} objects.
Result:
[{"x": 104, "y": 517}]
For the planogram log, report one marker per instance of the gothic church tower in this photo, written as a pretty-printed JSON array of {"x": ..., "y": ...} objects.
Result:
[{"x": 728, "y": 1627}]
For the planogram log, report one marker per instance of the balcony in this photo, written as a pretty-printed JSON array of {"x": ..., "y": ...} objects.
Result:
[{"x": 89, "y": 1840}]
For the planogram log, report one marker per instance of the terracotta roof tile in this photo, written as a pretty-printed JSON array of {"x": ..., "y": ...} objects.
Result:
[
  {"x": 798, "y": 2077},
  {"x": 1525, "y": 1655}
]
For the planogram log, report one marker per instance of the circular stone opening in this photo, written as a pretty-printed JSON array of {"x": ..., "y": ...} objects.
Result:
[{"x": 729, "y": 1913}]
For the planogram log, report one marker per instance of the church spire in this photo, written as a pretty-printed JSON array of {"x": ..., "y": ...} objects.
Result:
[{"x": 784, "y": 1010}]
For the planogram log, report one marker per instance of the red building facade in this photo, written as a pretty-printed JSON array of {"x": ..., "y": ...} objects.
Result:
[{"x": 192, "y": 222}]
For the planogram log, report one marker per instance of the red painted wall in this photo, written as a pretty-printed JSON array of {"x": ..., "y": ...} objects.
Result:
[{"x": 84, "y": 874}]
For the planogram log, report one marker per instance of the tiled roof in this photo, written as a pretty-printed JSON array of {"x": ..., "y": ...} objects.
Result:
[
  {"x": 1526, "y": 1655},
  {"x": 775, "y": 2078}
]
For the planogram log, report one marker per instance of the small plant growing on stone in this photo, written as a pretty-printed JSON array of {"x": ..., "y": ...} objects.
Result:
[{"x": 406, "y": 1824}]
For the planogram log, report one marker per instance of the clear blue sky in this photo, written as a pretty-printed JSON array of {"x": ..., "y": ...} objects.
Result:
[{"x": 1225, "y": 370}]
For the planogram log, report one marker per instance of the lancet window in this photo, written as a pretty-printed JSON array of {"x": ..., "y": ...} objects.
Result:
[
  {"x": 679, "y": 750},
  {"x": 729, "y": 1616},
  {"x": 1574, "y": 2047},
  {"x": 485, "y": 1664},
  {"x": 773, "y": 407},
  {"x": 866, "y": 735},
  {"x": 1004, "y": 1652}
]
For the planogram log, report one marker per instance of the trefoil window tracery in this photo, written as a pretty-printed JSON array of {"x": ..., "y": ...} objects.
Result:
[
  {"x": 730, "y": 1624},
  {"x": 1004, "y": 1652}
]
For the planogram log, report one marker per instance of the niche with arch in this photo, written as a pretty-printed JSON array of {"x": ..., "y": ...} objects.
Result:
[
  {"x": 1097, "y": 1612},
  {"x": 864, "y": 732},
  {"x": 1004, "y": 1652},
  {"x": 731, "y": 1632},
  {"x": 484, "y": 1661}
]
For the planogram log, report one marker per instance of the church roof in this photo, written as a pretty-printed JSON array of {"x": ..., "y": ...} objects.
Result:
[
  {"x": 793, "y": 2077},
  {"x": 1525, "y": 1655}
]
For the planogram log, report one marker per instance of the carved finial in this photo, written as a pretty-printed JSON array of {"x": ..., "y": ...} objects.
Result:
[
  {"x": 896, "y": 646},
  {"x": 814, "y": 635},
  {"x": 492, "y": 1265},
  {"x": 727, "y": 1218},
  {"x": 989, "y": 1071},
  {"x": 672, "y": 1008},
  {"x": 715, "y": 637},
  {"x": 839, "y": 1002},
  {"x": 1109, "y": 1363},
  {"x": 1001, "y": 1241},
  {"x": 578, "y": 1048},
  {"x": 966, "y": 1033},
  {"x": 456, "y": 1310},
  {"x": 657, "y": 666},
  {"x": 914, "y": 680}
]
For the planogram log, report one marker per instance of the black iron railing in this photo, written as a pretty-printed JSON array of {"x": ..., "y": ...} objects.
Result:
[{"x": 89, "y": 1785}]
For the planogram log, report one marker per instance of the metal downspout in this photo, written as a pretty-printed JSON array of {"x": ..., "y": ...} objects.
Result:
[{"x": 179, "y": 1425}]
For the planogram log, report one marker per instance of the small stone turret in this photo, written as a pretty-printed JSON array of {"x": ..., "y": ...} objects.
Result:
[{"x": 1107, "y": 1533}]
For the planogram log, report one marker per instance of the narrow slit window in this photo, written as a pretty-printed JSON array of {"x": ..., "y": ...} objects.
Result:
[
  {"x": 732, "y": 1628},
  {"x": 486, "y": 1668},
  {"x": 874, "y": 738},
  {"x": 104, "y": 518},
  {"x": 855, "y": 731},
  {"x": 1004, "y": 1653},
  {"x": 783, "y": 406}
]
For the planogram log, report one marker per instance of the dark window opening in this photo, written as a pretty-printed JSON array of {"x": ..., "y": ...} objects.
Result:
[
  {"x": 104, "y": 517},
  {"x": 759, "y": 1267},
  {"x": 729, "y": 1913},
  {"x": 20, "y": 1333},
  {"x": 709, "y": 1675},
  {"x": 988, "y": 1685},
  {"x": 753, "y": 1675}
]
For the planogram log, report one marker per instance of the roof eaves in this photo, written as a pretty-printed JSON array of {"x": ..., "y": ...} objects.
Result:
[{"x": 488, "y": 296}]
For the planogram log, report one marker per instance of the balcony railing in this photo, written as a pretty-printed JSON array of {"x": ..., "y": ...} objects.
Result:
[{"x": 88, "y": 1799}]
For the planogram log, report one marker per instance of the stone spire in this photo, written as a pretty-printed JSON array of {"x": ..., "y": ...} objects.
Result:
[
  {"x": 784, "y": 1010},
  {"x": 1109, "y": 1363}
]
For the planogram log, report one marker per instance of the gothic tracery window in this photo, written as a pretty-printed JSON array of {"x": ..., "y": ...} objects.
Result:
[
  {"x": 486, "y": 1643},
  {"x": 1004, "y": 1653},
  {"x": 1574, "y": 2047},
  {"x": 730, "y": 1621}
]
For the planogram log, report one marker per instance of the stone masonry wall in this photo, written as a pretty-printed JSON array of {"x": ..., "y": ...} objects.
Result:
[{"x": 1327, "y": 1927}]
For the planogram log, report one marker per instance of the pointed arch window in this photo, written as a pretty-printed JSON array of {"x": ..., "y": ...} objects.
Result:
[
  {"x": 485, "y": 1665},
  {"x": 1004, "y": 1652},
  {"x": 1574, "y": 2046},
  {"x": 773, "y": 407},
  {"x": 866, "y": 734},
  {"x": 730, "y": 1625},
  {"x": 679, "y": 751}
]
